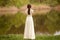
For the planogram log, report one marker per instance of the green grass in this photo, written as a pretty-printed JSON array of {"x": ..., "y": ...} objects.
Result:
[{"x": 20, "y": 37}]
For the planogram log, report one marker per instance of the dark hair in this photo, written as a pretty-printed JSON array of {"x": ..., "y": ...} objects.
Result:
[{"x": 28, "y": 6}]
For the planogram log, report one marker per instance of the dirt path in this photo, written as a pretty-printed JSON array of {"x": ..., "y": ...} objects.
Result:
[
  {"x": 39, "y": 9},
  {"x": 57, "y": 8},
  {"x": 8, "y": 10}
]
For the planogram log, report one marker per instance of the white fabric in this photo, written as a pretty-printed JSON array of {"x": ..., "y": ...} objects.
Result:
[{"x": 29, "y": 28}]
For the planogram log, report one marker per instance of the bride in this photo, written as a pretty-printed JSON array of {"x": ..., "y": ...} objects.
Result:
[{"x": 29, "y": 25}]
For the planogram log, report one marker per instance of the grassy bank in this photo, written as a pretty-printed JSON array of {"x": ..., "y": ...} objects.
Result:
[{"x": 20, "y": 37}]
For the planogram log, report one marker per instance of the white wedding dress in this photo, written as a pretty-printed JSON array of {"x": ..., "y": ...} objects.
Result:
[{"x": 29, "y": 27}]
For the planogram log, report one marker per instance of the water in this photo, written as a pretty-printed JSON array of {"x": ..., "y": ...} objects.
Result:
[{"x": 29, "y": 17}]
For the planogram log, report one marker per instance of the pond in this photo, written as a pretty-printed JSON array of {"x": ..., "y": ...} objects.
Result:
[{"x": 46, "y": 18}]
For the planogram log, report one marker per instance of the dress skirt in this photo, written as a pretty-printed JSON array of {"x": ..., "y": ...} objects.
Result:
[{"x": 29, "y": 28}]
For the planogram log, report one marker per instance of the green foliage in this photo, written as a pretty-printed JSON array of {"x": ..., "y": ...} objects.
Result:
[
  {"x": 4, "y": 2},
  {"x": 47, "y": 23},
  {"x": 58, "y": 1},
  {"x": 47, "y": 37},
  {"x": 18, "y": 19},
  {"x": 11, "y": 37},
  {"x": 17, "y": 3},
  {"x": 20, "y": 37},
  {"x": 4, "y": 23},
  {"x": 49, "y": 2},
  {"x": 51, "y": 20},
  {"x": 8, "y": 21},
  {"x": 35, "y": 1}
]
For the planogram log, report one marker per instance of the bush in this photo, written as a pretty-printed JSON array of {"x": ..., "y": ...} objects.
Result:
[
  {"x": 17, "y": 3},
  {"x": 8, "y": 21},
  {"x": 48, "y": 23}
]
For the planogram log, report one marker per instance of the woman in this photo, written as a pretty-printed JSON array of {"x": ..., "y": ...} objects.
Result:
[{"x": 29, "y": 25}]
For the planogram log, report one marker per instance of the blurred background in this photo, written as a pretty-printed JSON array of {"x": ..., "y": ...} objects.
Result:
[{"x": 46, "y": 16}]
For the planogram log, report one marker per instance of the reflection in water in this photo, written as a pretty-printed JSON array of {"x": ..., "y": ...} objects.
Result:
[{"x": 14, "y": 10}]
